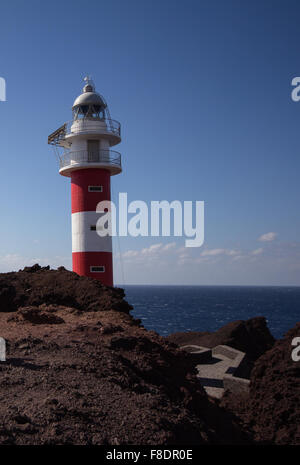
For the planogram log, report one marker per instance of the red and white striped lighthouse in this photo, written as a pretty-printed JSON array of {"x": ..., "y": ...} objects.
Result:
[{"x": 88, "y": 160}]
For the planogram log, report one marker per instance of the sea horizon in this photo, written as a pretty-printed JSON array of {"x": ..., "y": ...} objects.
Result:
[
  {"x": 210, "y": 285},
  {"x": 168, "y": 308}
]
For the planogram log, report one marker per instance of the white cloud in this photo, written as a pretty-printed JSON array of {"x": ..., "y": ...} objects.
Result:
[
  {"x": 10, "y": 262},
  {"x": 153, "y": 252},
  {"x": 170, "y": 246},
  {"x": 15, "y": 262},
  {"x": 153, "y": 249},
  {"x": 239, "y": 257},
  {"x": 257, "y": 251},
  {"x": 212, "y": 252},
  {"x": 268, "y": 237},
  {"x": 276, "y": 263},
  {"x": 131, "y": 253},
  {"x": 215, "y": 252},
  {"x": 232, "y": 252}
]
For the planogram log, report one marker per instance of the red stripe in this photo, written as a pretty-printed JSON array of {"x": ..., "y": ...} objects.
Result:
[
  {"x": 82, "y": 261},
  {"x": 82, "y": 199}
]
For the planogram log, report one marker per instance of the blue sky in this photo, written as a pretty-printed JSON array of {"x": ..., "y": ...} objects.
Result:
[{"x": 203, "y": 92}]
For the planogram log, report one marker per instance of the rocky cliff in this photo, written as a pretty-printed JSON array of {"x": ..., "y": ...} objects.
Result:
[
  {"x": 272, "y": 408},
  {"x": 81, "y": 370},
  {"x": 250, "y": 336}
]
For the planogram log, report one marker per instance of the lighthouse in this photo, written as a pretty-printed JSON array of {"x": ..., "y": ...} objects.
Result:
[{"x": 83, "y": 146}]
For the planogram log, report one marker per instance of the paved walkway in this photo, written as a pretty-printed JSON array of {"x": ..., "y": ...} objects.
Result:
[
  {"x": 217, "y": 366},
  {"x": 211, "y": 374}
]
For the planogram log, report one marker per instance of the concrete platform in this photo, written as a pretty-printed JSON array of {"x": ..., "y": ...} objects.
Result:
[
  {"x": 200, "y": 354},
  {"x": 218, "y": 369}
]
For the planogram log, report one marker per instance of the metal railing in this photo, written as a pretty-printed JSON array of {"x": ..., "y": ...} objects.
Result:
[
  {"x": 82, "y": 125},
  {"x": 105, "y": 157}
]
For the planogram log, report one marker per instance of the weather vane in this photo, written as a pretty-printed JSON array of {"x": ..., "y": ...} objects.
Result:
[{"x": 89, "y": 81}]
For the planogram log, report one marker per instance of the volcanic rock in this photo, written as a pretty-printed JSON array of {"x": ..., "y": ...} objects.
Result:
[
  {"x": 251, "y": 336},
  {"x": 272, "y": 409},
  {"x": 97, "y": 377},
  {"x": 35, "y": 286},
  {"x": 37, "y": 315}
]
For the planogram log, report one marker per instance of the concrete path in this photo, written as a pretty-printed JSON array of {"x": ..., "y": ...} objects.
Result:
[
  {"x": 211, "y": 374},
  {"x": 218, "y": 369}
]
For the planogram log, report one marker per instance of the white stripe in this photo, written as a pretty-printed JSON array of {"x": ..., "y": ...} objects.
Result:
[{"x": 85, "y": 240}]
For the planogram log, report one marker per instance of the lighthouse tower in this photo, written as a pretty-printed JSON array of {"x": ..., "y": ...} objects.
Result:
[{"x": 87, "y": 158}]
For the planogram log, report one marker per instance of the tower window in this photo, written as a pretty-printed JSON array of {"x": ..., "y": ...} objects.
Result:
[
  {"x": 95, "y": 189},
  {"x": 97, "y": 269},
  {"x": 93, "y": 227}
]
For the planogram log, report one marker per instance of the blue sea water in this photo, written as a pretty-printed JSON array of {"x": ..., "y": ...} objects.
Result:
[{"x": 167, "y": 309}]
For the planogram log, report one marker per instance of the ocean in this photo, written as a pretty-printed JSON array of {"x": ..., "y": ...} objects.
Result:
[{"x": 168, "y": 309}]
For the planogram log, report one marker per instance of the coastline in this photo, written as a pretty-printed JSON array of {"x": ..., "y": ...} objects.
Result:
[{"x": 81, "y": 369}]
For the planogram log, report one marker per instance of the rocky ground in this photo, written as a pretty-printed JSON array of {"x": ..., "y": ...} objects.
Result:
[
  {"x": 272, "y": 409},
  {"x": 251, "y": 336},
  {"x": 81, "y": 370}
]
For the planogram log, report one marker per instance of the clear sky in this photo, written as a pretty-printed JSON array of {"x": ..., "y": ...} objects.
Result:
[{"x": 203, "y": 92}]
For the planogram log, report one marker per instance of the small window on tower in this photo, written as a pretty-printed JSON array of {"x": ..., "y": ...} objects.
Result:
[
  {"x": 95, "y": 188},
  {"x": 97, "y": 269},
  {"x": 93, "y": 227}
]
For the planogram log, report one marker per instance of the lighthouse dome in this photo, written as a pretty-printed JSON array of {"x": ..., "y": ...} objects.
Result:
[
  {"x": 89, "y": 98},
  {"x": 89, "y": 104}
]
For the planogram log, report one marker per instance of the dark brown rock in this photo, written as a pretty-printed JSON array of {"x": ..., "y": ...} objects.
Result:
[
  {"x": 35, "y": 286},
  {"x": 272, "y": 409},
  {"x": 251, "y": 336},
  {"x": 274, "y": 405},
  {"x": 36, "y": 316},
  {"x": 98, "y": 377}
]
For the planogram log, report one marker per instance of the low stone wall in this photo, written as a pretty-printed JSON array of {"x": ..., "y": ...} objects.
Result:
[
  {"x": 199, "y": 354},
  {"x": 229, "y": 373},
  {"x": 240, "y": 367},
  {"x": 233, "y": 380},
  {"x": 235, "y": 384},
  {"x": 233, "y": 354}
]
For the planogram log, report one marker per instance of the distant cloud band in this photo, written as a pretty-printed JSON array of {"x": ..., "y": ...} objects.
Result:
[{"x": 268, "y": 237}]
